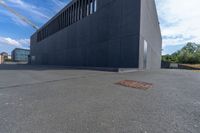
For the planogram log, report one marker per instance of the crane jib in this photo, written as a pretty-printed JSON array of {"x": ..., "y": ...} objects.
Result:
[{"x": 18, "y": 15}]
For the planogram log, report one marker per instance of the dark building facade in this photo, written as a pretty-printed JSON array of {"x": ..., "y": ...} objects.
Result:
[
  {"x": 20, "y": 55},
  {"x": 100, "y": 33}
]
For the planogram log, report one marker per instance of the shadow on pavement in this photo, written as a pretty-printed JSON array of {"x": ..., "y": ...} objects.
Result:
[{"x": 51, "y": 67}]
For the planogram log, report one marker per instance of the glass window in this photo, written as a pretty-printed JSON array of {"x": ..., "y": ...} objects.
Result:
[{"x": 95, "y": 5}]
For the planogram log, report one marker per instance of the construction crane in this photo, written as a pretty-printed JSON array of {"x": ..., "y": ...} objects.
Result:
[{"x": 3, "y": 4}]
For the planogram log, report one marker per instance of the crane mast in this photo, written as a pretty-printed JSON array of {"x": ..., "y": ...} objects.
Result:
[{"x": 18, "y": 15}]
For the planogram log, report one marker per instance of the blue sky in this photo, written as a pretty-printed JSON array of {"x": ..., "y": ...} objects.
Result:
[
  {"x": 179, "y": 23},
  {"x": 14, "y": 32}
]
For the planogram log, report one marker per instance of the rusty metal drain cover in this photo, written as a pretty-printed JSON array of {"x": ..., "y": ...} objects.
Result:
[{"x": 135, "y": 84}]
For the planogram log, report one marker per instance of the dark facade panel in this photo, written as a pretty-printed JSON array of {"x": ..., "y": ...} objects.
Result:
[{"x": 91, "y": 33}]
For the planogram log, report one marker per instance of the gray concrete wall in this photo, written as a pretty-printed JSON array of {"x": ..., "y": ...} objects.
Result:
[
  {"x": 107, "y": 38},
  {"x": 150, "y": 31}
]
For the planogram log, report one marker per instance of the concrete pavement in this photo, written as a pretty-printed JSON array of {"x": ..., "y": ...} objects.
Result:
[{"x": 40, "y": 99}]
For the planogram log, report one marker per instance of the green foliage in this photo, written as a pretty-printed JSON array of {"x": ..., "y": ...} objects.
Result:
[{"x": 189, "y": 54}]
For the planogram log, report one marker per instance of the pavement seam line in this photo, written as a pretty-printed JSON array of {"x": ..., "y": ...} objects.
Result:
[{"x": 50, "y": 81}]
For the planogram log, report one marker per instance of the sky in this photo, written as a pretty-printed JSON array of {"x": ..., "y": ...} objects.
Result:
[{"x": 179, "y": 22}]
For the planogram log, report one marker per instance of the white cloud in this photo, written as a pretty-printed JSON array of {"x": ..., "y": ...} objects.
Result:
[
  {"x": 34, "y": 12},
  {"x": 29, "y": 8},
  {"x": 9, "y": 41},
  {"x": 14, "y": 42},
  {"x": 180, "y": 21},
  {"x": 14, "y": 18},
  {"x": 24, "y": 41},
  {"x": 59, "y": 3}
]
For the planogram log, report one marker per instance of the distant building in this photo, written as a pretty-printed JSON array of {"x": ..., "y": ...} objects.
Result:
[
  {"x": 9, "y": 57},
  {"x": 3, "y": 57},
  {"x": 4, "y": 54},
  {"x": 20, "y": 55},
  {"x": 101, "y": 33}
]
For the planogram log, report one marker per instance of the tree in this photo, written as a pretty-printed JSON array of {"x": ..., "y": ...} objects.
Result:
[{"x": 189, "y": 54}]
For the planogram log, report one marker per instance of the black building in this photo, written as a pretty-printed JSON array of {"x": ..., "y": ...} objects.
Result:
[{"x": 101, "y": 33}]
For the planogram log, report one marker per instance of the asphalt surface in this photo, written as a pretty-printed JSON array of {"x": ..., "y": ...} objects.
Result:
[{"x": 59, "y": 100}]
